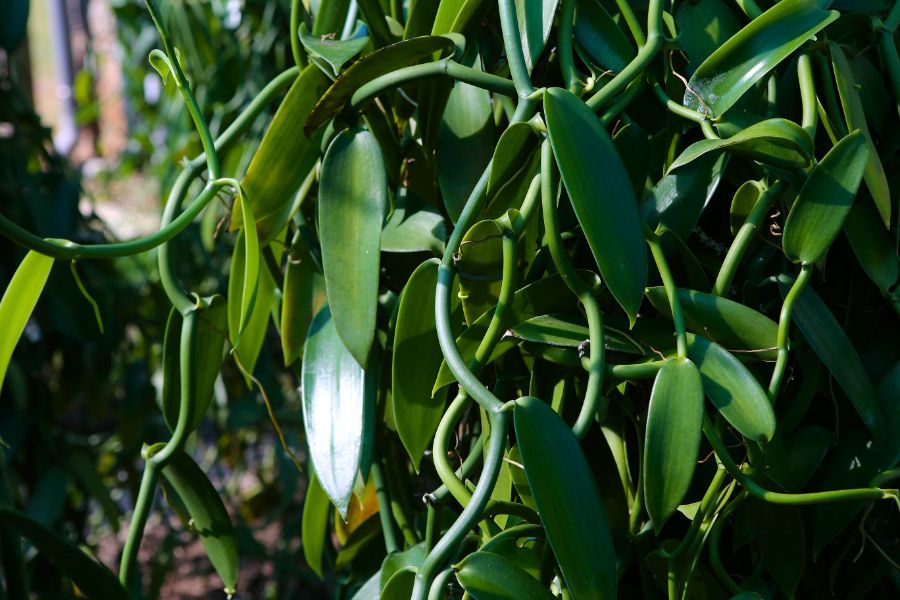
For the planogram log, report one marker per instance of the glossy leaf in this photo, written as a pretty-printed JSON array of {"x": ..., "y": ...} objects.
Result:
[
  {"x": 353, "y": 197},
  {"x": 337, "y": 402},
  {"x": 18, "y": 302},
  {"x": 209, "y": 519},
  {"x": 384, "y": 60},
  {"x": 400, "y": 585},
  {"x": 283, "y": 160},
  {"x": 600, "y": 37},
  {"x": 464, "y": 140},
  {"x": 488, "y": 576},
  {"x": 513, "y": 148},
  {"x": 591, "y": 169},
  {"x": 742, "y": 203},
  {"x": 679, "y": 197},
  {"x": 567, "y": 500},
  {"x": 855, "y": 116},
  {"x": 253, "y": 332},
  {"x": 417, "y": 359},
  {"x": 736, "y": 327},
  {"x": 455, "y": 16},
  {"x": 824, "y": 201},
  {"x": 873, "y": 246},
  {"x": 335, "y": 52},
  {"x": 828, "y": 339},
  {"x": 704, "y": 26},
  {"x": 570, "y": 330},
  {"x": 207, "y": 346},
  {"x": 94, "y": 580},
  {"x": 535, "y": 19},
  {"x": 776, "y": 142},
  {"x": 674, "y": 426},
  {"x": 413, "y": 229},
  {"x": 303, "y": 294},
  {"x": 748, "y": 56},
  {"x": 314, "y": 524},
  {"x": 544, "y": 296},
  {"x": 732, "y": 389}
]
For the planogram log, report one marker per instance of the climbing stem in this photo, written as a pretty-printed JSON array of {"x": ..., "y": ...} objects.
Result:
[{"x": 784, "y": 325}]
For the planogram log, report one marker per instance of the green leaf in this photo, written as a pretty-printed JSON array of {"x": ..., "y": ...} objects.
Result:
[
  {"x": 516, "y": 143},
  {"x": 520, "y": 481},
  {"x": 334, "y": 52},
  {"x": 420, "y": 18},
  {"x": 206, "y": 343},
  {"x": 588, "y": 163},
  {"x": 94, "y": 580},
  {"x": 824, "y": 201},
  {"x": 736, "y": 327},
  {"x": 776, "y": 142},
  {"x": 742, "y": 203},
  {"x": 678, "y": 198},
  {"x": 378, "y": 63},
  {"x": 303, "y": 294},
  {"x": 400, "y": 585},
  {"x": 703, "y": 27},
  {"x": 535, "y": 19},
  {"x": 397, "y": 561},
  {"x": 488, "y": 576},
  {"x": 749, "y": 55},
  {"x": 544, "y": 296},
  {"x": 480, "y": 265},
  {"x": 829, "y": 341},
  {"x": 567, "y": 500},
  {"x": 778, "y": 531},
  {"x": 674, "y": 426},
  {"x": 732, "y": 389},
  {"x": 416, "y": 361},
  {"x": 338, "y": 400},
  {"x": 18, "y": 302},
  {"x": 330, "y": 16},
  {"x": 873, "y": 246},
  {"x": 284, "y": 158},
  {"x": 454, "y": 16},
  {"x": 353, "y": 196},
  {"x": 314, "y": 524},
  {"x": 876, "y": 180},
  {"x": 209, "y": 519},
  {"x": 413, "y": 227},
  {"x": 793, "y": 459},
  {"x": 253, "y": 333},
  {"x": 465, "y": 140},
  {"x": 600, "y": 37}
]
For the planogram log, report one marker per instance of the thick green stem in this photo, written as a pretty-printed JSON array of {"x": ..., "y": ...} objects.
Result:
[
  {"x": 807, "y": 83},
  {"x": 631, "y": 20},
  {"x": 637, "y": 66},
  {"x": 564, "y": 44},
  {"x": 512, "y": 43},
  {"x": 665, "y": 274},
  {"x": 784, "y": 326},
  {"x": 384, "y": 508},
  {"x": 445, "y": 472},
  {"x": 675, "y": 107},
  {"x": 298, "y": 14},
  {"x": 596, "y": 364},
  {"x": 743, "y": 238}
]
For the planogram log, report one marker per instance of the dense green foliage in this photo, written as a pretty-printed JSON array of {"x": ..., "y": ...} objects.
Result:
[{"x": 487, "y": 229}]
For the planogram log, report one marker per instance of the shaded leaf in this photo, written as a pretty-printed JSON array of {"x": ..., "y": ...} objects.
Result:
[
  {"x": 488, "y": 576},
  {"x": 314, "y": 524}
]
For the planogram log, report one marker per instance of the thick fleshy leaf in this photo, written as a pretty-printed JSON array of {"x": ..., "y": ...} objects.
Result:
[
  {"x": 416, "y": 361},
  {"x": 601, "y": 194},
  {"x": 454, "y": 16},
  {"x": 314, "y": 524},
  {"x": 489, "y": 576},
  {"x": 742, "y": 203},
  {"x": 776, "y": 142},
  {"x": 209, "y": 519},
  {"x": 413, "y": 228},
  {"x": 738, "y": 328},
  {"x": 674, "y": 426},
  {"x": 465, "y": 140},
  {"x": 18, "y": 302},
  {"x": 337, "y": 401},
  {"x": 353, "y": 197},
  {"x": 749, "y": 55},
  {"x": 570, "y": 330},
  {"x": 876, "y": 180},
  {"x": 207, "y": 346},
  {"x": 94, "y": 580},
  {"x": 400, "y": 585},
  {"x": 544, "y": 296},
  {"x": 600, "y": 37},
  {"x": 535, "y": 19},
  {"x": 480, "y": 265},
  {"x": 828, "y": 339},
  {"x": 284, "y": 158},
  {"x": 824, "y": 201},
  {"x": 335, "y": 52},
  {"x": 678, "y": 198},
  {"x": 330, "y": 16},
  {"x": 303, "y": 294},
  {"x": 873, "y": 246},
  {"x": 778, "y": 531},
  {"x": 420, "y": 18},
  {"x": 376, "y": 64},
  {"x": 732, "y": 389},
  {"x": 397, "y": 561},
  {"x": 703, "y": 26},
  {"x": 253, "y": 332},
  {"x": 567, "y": 500},
  {"x": 510, "y": 155}
]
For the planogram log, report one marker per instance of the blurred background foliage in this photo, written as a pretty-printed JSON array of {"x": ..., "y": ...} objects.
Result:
[{"x": 79, "y": 403}]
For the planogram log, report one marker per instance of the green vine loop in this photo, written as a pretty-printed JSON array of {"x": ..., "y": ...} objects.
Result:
[
  {"x": 638, "y": 65},
  {"x": 596, "y": 363},
  {"x": 452, "y": 482},
  {"x": 512, "y": 43},
  {"x": 784, "y": 325}
]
